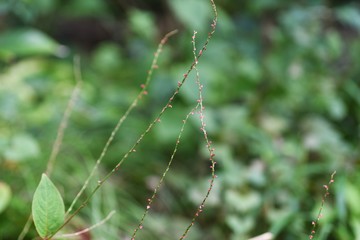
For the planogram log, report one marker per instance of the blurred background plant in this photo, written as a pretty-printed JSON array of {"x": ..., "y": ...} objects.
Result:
[{"x": 282, "y": 96}]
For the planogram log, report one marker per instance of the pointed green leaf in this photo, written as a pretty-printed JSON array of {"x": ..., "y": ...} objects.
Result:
[{"x": 48, "y": 209}]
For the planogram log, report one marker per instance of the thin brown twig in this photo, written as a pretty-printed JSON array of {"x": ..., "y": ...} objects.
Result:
[
  {"x": 151, "y": 125},
  {"x": 152, "y": 198},
  {"x": 100, "y": 182},
  {"x": 326, "y": 194},
  {"x": 122, "y": 119},
  {"x": 201, "y": 207}
]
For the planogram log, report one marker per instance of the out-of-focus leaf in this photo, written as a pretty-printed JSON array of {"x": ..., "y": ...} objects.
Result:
[
  {"x": 227, "y": 27},
  {"x": 240, "y": 225},
  {"x": 350, "y": 15},
  {"x": 22, "y": 147},
  {"x": 242, "y": 202},
  {"x": 325, "y": 231},
  {"x": 26, "y": 10},
  {"x": 353, "y": 90},
  {"x": 107, "y": 58},
  {"x": 334, "y": 43},
  {"x": 142, "y": 23},
  {"x": 8, "y": 105},
  {"x": 353, "y": 198},
  {"x": 336, "y": 108},
  {"x": 24, "y": 42},
  {"x": 320, "y": 135},
  {"x": 273, "y": 125},
  {"x": 303, "y": 25},
  {"x": 194, "y": 14},
  {"x": 5, "y": 196},
  {"x": 256, "y": 173},
  {"x": 249, "y": 70},
  {"x": 283, "y": 218},
  {"x": 355, "y": 224}
]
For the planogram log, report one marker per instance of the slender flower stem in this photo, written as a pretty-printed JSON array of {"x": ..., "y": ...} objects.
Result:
[
  {"x": 123, "y": 118},
  {"x": 60, "y": 134},
  {"x": 208, "y": 143},
  {"x": 151, "y": 125},
  {"x": 326, "y": 194},
  {"x": 152, "y": 198},
  {"x": 112, "y": 135}
]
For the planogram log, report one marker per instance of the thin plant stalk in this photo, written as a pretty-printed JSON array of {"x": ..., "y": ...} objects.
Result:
[
  {"x": 60, "y": 133},
  {"x": 123, "y": 118},
  {"x": 152, "y": 198},
  {"x": 207, "y": 141},
  {"x": 64, "y": 122},
  {"x": 211, "y": 151},
  {"x": 319, "y": 215},
  {"x": 151, "y": 125},
  {"x": 112, "y": 135}
]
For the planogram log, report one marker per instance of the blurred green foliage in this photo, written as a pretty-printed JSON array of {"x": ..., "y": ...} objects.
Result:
[{"x": 282, "y": 97}]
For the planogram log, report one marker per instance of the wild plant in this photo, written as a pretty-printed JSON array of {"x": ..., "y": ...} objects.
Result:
[
  {"x": 48, "y": 210},
  {"x": 319, "y": 215}
]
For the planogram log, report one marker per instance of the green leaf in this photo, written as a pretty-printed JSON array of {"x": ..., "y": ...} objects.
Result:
[
  {"x": 48, "y": 208},
  {"x": 22, "y": 147},
  {"x": 143, "y": 24},
  {"x": 349, "y": 15},
  {"x": 194, "y": 14},
  {"x": 352, "y": 194},
  {"x": 5, "y": 195},
  {"x": 25, "y": 42}
]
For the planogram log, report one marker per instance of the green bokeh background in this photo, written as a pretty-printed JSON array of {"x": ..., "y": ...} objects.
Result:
[{"x": 282, "y": 98}]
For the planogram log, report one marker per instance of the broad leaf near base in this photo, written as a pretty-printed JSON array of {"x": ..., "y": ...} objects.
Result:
[{"x": 48, "y": 208}]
